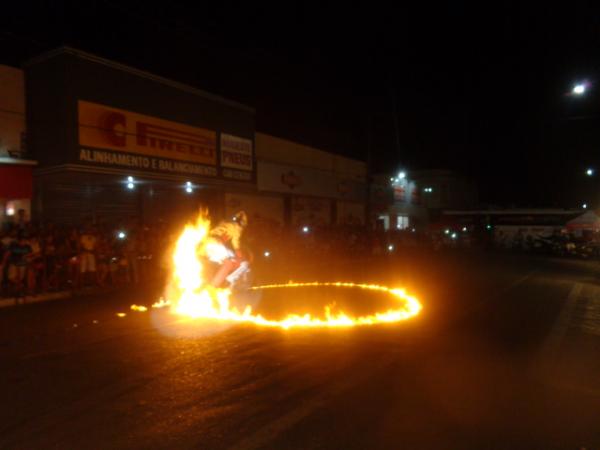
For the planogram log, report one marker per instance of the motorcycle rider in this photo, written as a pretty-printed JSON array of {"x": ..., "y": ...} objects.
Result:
[{"x": 236, "y": 264}]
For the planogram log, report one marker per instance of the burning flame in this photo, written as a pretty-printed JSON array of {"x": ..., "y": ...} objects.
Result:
[
  {"x": 139, "y": 308},
  {"x": 192, "y": 296}
]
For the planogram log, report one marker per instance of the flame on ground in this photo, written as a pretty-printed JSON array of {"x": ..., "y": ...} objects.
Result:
[
  {"x": 139, "y": 308},
  {"x": 189, "y": 294}
]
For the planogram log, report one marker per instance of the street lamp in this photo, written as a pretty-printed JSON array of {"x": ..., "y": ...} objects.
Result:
[
  {"x": 584, "y": 206},
  {"x": 579, "y": 89},
  {"x": 589, "y": 172}
]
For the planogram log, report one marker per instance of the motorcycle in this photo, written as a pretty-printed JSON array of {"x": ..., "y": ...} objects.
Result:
[{"x": 226, "y": 268}]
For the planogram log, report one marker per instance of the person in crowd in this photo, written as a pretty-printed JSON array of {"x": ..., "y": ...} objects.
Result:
[
  {"x": 72, "y": 251},
  {"x": 103, "y": 256},
  {"x": 130, "y": 253},
  {"x": 50, "y": 255},
  {"x": 35, "y": 272},
  {"x": 4, "y": 252},
  {"x": 87, "y": 257},
  {"x": 18, "y": 261}
]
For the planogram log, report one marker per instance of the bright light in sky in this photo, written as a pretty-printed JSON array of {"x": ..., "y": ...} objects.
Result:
[{"x": 579, "y": 89}]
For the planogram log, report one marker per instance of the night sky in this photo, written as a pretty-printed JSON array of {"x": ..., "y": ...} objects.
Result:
[{"x": 478, "y": 89}]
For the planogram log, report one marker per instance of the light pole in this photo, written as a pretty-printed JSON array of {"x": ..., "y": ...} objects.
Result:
[{"x": 579, "y": 89}]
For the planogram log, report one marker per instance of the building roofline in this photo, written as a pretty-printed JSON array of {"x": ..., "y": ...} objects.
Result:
[{"x": 138, "y": 72}]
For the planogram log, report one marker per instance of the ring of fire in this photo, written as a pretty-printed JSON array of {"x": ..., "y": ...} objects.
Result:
[{"x": 189, "y": 295}]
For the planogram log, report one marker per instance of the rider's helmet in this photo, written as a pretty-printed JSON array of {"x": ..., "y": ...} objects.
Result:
[{"x": 241, "y": 218}]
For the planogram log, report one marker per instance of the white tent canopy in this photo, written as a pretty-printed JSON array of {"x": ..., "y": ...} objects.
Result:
[{"x": 587, "y": 221}]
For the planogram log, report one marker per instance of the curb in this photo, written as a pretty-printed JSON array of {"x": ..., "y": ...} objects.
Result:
[{"x": 28, "y": 299}]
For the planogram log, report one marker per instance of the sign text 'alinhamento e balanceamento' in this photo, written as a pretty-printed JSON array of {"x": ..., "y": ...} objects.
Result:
[{"x": 144, "y": 162}]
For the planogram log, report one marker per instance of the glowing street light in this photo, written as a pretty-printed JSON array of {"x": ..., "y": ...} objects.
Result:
[
  {"x": 121, "y": 235},
  {"x": 402, "y": 175},
  {"x": 305, "y": 229},
  {"x": 589, "y": 172},
  {"x": 584, "y": 206},
  {"x": 390, "y": 248},
  {"x": 267, "y": 253},
  {"x": 579, "y": 89}
]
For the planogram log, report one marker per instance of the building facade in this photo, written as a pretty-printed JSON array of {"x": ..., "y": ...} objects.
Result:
[
  {"x": 116, "y": 143},
  {"x": 300, "y": 185},
  {"x": 16, "y": 171},
  {"x": 411, "y": 200}
]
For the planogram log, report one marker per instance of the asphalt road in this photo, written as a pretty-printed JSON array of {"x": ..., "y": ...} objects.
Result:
[{"x": 506, "y": 354}]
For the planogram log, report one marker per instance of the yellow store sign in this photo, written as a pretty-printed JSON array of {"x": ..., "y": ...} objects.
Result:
[{"x": 104, "y": 127}]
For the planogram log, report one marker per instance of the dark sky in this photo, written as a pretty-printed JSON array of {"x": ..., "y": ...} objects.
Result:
[{"x": 477, "y": 88}]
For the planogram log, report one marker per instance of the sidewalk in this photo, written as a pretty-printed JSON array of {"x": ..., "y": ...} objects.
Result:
[
  {"x": 45, "y": 297},
  {"x": 50, "y": 296}
]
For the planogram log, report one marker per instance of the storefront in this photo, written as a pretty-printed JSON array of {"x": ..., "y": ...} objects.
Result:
[
  {"x": 16, "y": 179},
  {"x": 315, "y": 187},
  {"x": 116, "y": 143},
  {"x": 16, "y": 189}
]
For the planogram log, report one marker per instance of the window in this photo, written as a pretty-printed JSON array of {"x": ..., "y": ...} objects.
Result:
[{"x": 402, "y": 222}]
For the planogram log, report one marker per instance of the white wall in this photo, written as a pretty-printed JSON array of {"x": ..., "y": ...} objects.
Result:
[{"x": 276, "y": 150}]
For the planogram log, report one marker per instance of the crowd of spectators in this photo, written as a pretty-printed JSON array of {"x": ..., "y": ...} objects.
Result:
[
  {"x": 36, "y": 258},
  {"x": 39, "y": 258}
]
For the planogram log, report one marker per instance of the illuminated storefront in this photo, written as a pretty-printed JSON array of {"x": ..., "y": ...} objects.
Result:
[
  {"x": 94, "y": 124},
  {"x": 16, "y": 179}
]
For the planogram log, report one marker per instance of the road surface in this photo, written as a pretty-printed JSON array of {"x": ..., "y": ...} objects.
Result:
[{"x": 506, "y": 354}]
